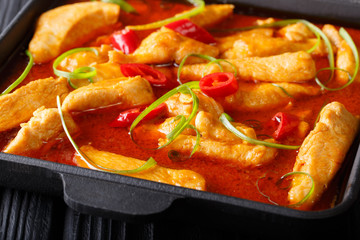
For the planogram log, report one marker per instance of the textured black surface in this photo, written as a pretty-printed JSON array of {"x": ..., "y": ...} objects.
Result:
[{"x": 28, "y": 215}]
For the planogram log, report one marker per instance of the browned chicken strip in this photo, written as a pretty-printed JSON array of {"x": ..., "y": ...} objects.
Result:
[
  {"x": 209, "y": 127},
  {"x": 265, "y": 46},
  {"x": 323, "y": 152},
  {"x": 243, "y": 154},
  {"x": 183, "y": 178},
  {"x": 165, "y": 46},
  {"x": 287, "y": 67},
  {"x": 296, "y": 32},
  {"x": 255, "y": 97},
  {"x": 344, "y": 56},
  {"x": 85, "y": 58},
  {"x": 182, "y": 104},
  {"x": 225, "y": 43},
  {"x": 43, "y": 127},
  {"x": 212, "y": 15},
  {"x": 18, "y": 107},
  {"x": 126, "y": 92},
  {"x": 333, "y": 35},
  {"x": 70, "y": 26}
]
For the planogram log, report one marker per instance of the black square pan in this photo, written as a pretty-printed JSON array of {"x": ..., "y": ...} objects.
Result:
[{"x": 132, "y": 199}]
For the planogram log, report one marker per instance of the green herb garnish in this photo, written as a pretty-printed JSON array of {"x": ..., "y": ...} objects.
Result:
[
  {"x": 345, "y": 35},
  {"x": 22, "y": 76},
  {"x": 79, "y": 73},
  {"x": 225, "y": 119},
  {"x": 282, "y": 89},
  {"x": 183, "y": 123},
  {"x": 200, "y": 6},
  {"x": 311, "y": 191},
  {"x": 123, "y": 5},
  {"x": 147, "y": 165}
]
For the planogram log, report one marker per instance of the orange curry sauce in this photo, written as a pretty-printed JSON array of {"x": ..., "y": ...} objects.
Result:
[{"x": 221, "y": 177}]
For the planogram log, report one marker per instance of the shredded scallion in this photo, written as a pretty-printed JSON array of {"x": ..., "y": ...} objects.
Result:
[
  {"x": 200, "y": 6},
  {"x": 345, "y": 35},
  {"x": 311, "y": 191},
  {"x": 225, "y": 119},
  {"x": 22, "y": 76},
  {"x": 282, "y": 89},
  {"x": 183, "y": 123},
  {"x": 123, "y": 5},
  {"x": 308, "y": 194},
  {"x": 147, "y": 165},
  {"x": 79, "y": 73}
]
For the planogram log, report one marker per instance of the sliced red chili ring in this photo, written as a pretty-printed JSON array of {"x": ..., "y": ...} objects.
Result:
[
  {"x": 155, "y": 77},
  {"x": 219, "y": 84},
  {"x": 286, "y": 123},
  {"x": 189, "y": 29},
  {"x": 125, "y": 40},
  {"x": 126, "y": 118}
]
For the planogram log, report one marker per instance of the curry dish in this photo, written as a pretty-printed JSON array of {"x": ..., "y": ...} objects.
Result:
[{"x": 250, "y": 107}]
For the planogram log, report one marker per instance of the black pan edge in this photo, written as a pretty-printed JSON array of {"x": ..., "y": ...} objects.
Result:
[{"x": 38, "y": 175}]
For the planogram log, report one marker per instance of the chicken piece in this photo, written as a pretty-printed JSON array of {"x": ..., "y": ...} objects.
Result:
[
  {"x": 168, "y": 125},
  {"x": 243, "y": 154},
  {"x": 213, "y": 14},
  {"x": 345, "y": 60},
  {"x": 18, "y": 107},
  {"x": 256, "y": 97},
  {"x": 183, "y": 178},
  {"x": 322, "y": 153},
  {"x": 126, "y": 92},
  {"x": 85, "y": 58},
  {"x": 265, "y": 46},
  {"x": 344, "y": 56},
  {"x": 211, "y": 128},
  {"x": 225, "y": 43},
  {"x": 297, "y": 32},
  {"x": 333, "y": 35},
  {"x": 69, "y": 26},
  {"x": 43, "y": 127},
  {"x": 265, "y": 21},
  {"x": 182, "y": 104},
  {"x": 104, "y": 71},
  {"x": 165, "y": 46},
  {"x": 287, "y": 67}
]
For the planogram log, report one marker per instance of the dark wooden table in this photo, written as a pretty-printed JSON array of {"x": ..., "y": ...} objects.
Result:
[{"x": 29, "y": 215}]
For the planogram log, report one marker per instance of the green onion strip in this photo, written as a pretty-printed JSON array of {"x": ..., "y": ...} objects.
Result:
[
  {"x": 283, "y": 89},
  {"x": 200, "y": 6},
  {"x": 123, "y": 5},
  {"x": 22, "y": 76},
  {"x": 225, "y": 119},
  {"x": 183, "y": 123},
  {"x": 319, "y": 35},
  {"x": 147, "y": 165},
  {"x": 345, "y": 35},
  {"x": 311, "y": 191},
  {"x": 79, "y": 73}
]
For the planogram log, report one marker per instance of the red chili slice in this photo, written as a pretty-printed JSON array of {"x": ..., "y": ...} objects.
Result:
[
  {"x": 191, "y": 30},
  {"x": 126, "y": 118},
  {"x": 125, "y": 40},
  {"x": 155, "y": 77},
  {"x": 286, "y": 123},
  {"x": 219, "y": 84}
]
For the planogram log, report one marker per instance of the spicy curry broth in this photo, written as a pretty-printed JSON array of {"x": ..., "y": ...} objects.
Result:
[{"x": 221, "y": 177}]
